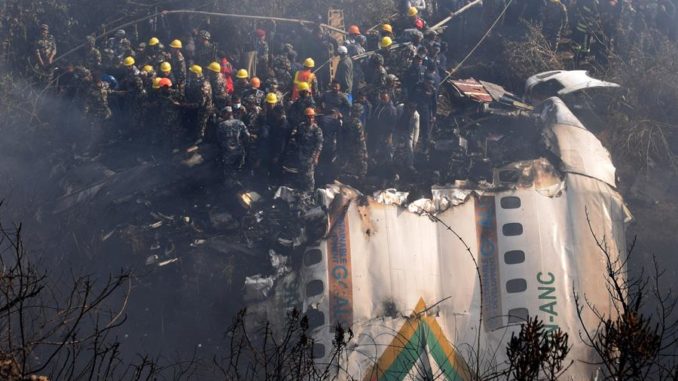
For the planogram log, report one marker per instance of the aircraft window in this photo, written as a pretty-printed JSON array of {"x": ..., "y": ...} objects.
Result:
[
  {"x": 510, "y": 202},
  {"x": 318, "y": 351},
  {"x": 518, "y": 315},
  {"x": 314, "y": 287},
  {"x": 312, "y": 257},
  {"x": 512, "y": 229},
  {"x": 509, "y": 176},
  {"x": 315, "y": 317},
  {"x": 514, "y": 256},
  {"x": 516, "y": 285}
]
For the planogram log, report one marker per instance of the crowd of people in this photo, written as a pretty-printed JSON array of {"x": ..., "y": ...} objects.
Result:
[{"x": 365, "y": 102}]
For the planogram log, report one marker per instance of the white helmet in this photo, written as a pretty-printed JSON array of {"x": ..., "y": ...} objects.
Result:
[{"x": 342, "y": 50}]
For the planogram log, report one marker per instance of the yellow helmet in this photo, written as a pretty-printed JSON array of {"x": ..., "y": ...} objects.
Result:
[
  {"x": 303, "y": 86},
  {"x": 147, "y": 69},
  {"x": 387, "y": 28},
  {"x": 156, "y": 83},
  {"x": 215, "y": 67},
  {"x": 128, "y": 61},
  {"x": 242, "y": 74},
  {"x": 385, "y": 42},
  {"x": 176, "y": 44},
  {"x": 153, "y": 41},
  {"x": 412, "y": 11},
  {"x": 308, "y": 62},
  {"x": 271, "y": 98},
  {"x": 165, "y": 67},
  {"x": 196, "y": 69}
]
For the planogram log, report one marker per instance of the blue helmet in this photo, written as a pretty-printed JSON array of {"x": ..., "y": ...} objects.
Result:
[{"x": 112, "y": 82}]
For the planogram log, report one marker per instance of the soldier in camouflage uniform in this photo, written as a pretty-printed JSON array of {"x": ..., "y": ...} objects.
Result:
[
  {"x": 303, "y": 153},
  {"x": 199, "y": 103},
  {"x": 169, "y": 117},
  {"x": 282, "y": 69},
  {"x": 93, "y": 58},
  {"x": 205, "y": 51},
  {"x": 45, "y": 52},
  {"x": 352, "y": 150},
  {"x": 96, "y": 108},
  {"x": 178, "y": 64},
  {"x": 233, "y": 138},
  {"x": 219, "y": 95}
]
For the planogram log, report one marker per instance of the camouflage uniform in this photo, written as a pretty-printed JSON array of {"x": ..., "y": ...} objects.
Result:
[
  {"x": 282, "y": 68},
  {"x": 199, "y": 99},
  {"x": 96, "y": 104},
  {"x": 93, "y": 58},
  {"x": 353, "y": 149},
  {"x": 45, "y": 49},
  {"x": 219, "y": 95},
  {"x": 170, "y": 128},
  {"x": 178, "y": 68},
  {"x": 233, "y": 137},
  {"x": 303, "y": 153}
]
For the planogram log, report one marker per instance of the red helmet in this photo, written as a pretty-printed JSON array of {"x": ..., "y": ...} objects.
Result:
[
  {"x": 260, "y": 33},
  {"x": 353, "y": 29},
  {"x": 165, "y": 82}
]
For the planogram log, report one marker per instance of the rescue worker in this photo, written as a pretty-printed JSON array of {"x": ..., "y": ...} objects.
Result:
[
  {"x": 280, "y": 132},
  {"x": 205, "y": 51},
  {"x": 253, "y": 92},
  {"x": 45, "y": 50},
  {"x": 282, "y": 69},
  {"x": 380, "y": 133},
  {"x": 117, "y": 42},
  {"x": 262, "y": 147},
  {"x": 425, "y": 96},
  {"x": 261, "y": 47},
  {"x": 241, "y": 82},
  {"x": 227, "y": 72},
  {"x": 154, "y": 54},
  {"x": 335, "y": 99},
  {"x": 405, "y": 136},
  {"x": 170, "y": 128},
  {"x": 330, "y": 124},
  {"x": 178, "y": 63},
  {"x": 305, "y": 76},
  {"x": 303, "y": 102},
  {"x": 198, "y": 102},
  {"x": 233, "y": 137},
  {"x": 219, "y": 94},
  {"x": 92, "y": 60},
  {"x": 96, "y": 109},
  {"x": 303, "y": 152},
  {"x": 166, "y": 72},
  {"x": 352, "y": 147},
  {"x": 344, "y": 72},
  {"x": 586, "y": 19}
]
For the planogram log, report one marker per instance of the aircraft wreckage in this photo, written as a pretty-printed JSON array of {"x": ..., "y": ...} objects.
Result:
[{"x": 402, "y": 271}]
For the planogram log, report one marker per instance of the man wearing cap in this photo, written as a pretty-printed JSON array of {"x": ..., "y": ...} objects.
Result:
[
  {"x": 254, "y": 92},
  {"x": 344, "y": 73},
  {"x": 178, "y": 63},
  {"x": 198, "y": 102},
  {"x": 233, "y": 138}
]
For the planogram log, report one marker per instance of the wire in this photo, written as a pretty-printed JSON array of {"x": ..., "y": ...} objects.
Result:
[{"x": 449, "y": 74}]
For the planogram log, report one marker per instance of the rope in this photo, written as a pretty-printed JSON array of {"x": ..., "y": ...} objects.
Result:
[
  {"x": 449, "y": 74},
  {"x": 185, "y": 11}
]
